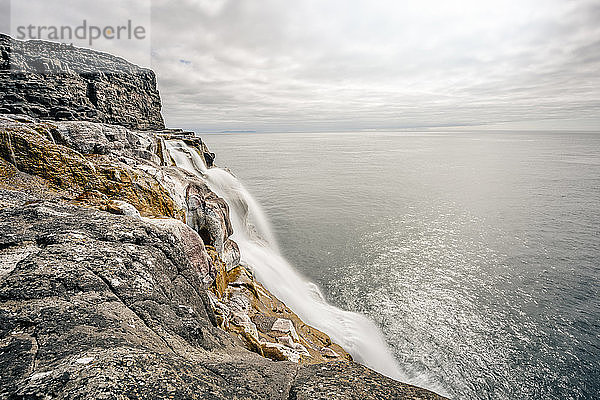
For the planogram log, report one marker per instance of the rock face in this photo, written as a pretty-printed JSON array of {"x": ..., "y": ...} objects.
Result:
[
  {"x": 58, "y": 82},
  {"x": 34, "y": 148},
  {"x": 266, "y": 326},
  {"x": 119, "y": 279},
  {"x": 94, "y": 305}
]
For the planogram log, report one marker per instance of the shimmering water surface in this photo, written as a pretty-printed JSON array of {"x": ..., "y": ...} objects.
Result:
[{"x": 477, "y": 254}]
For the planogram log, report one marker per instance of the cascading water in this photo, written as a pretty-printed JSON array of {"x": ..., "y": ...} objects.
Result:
[{"x": 354, "y": 332}]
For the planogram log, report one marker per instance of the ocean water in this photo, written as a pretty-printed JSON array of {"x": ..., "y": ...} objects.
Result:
[{"x": 477, "y": 254}]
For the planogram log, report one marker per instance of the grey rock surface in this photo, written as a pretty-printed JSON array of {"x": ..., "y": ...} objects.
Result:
[
  {"x": 351, "y": 381},
  {"x": 58, "y": 82},
  {"x": 102, "y": 306},
  {"x": 99, "y": 305}
]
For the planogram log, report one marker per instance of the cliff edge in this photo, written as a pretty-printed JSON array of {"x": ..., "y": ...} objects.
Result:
[
  {"x": 59, "y": 82},
  {"x": 119, "y": 277}
]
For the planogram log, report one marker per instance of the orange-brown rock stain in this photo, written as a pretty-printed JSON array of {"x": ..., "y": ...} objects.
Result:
[
  {"x": 264, "y": 311},
  {"x": 90, "y": 180}
]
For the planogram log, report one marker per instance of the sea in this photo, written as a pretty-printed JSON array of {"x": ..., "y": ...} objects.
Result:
[{"x": 476, "y": 255}]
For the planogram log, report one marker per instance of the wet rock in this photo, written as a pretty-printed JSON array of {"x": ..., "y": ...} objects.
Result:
[
  {"x": 230, "y": 254},
  {"x": 244, "y": 307},
  {"x": 101, "y": 298},
  {"x": 209, "y": 216},
  {"x": 285, "y": 326},
  {"x": 327, "y": 352},
  {"x": 289, "y": 342},
  {"x": 96, "y": 305},
  {"x": 278, "y": 351}
]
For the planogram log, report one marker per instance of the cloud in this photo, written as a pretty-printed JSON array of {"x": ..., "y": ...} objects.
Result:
[
  {"x": 313, "y": 65},
  {"x": 277, "y": 65}
]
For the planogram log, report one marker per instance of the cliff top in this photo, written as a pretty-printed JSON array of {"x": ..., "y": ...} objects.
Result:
[
  {"x": 39, "y": 56},
  {"x": 54, "y": 81}
]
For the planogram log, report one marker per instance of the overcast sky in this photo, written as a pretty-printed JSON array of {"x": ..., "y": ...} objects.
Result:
[{"x": 310, "y": 65}]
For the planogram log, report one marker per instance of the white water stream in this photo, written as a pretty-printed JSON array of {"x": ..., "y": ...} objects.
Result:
[{"x": 354, "y": 332}]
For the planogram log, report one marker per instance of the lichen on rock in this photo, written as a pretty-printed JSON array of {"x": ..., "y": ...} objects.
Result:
[{"x": 28, "y": 148}]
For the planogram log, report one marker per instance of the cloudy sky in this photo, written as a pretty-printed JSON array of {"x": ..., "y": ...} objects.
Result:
[{"x": 311, "y": 65}]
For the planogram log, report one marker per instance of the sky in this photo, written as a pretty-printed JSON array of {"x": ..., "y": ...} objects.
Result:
[{"x": 339, "y": 65}]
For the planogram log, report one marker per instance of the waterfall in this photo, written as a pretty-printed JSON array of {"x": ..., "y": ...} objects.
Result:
[{"x": 354, "y": 332}]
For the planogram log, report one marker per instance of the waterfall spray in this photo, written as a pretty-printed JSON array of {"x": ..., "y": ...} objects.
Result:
[{"x": 354, "y": 332}]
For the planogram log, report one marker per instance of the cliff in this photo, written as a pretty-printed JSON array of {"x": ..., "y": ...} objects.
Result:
[
  {"x": 58, "y": 82},
  {"x": 119, "y": 277}
]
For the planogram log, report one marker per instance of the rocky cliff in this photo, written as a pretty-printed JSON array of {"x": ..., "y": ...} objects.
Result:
[
  {"x": 59, "y": 82},
  {"x": 118, "y": 275}
]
